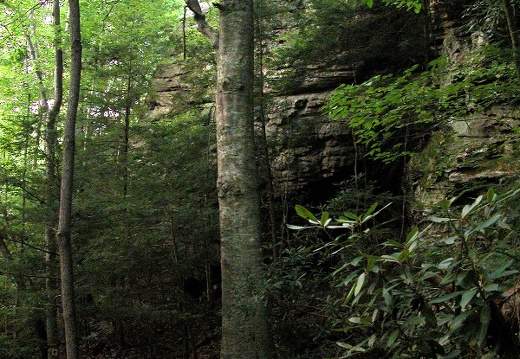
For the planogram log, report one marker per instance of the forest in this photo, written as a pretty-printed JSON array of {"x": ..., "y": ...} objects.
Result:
[{"x": 257, "y": 179}]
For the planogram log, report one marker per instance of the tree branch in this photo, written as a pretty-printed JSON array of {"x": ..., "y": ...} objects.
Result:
[{"x": 202, "y": 24}]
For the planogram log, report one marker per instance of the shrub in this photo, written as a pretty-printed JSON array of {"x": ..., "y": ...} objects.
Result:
[{"x": 448, "y": 291}]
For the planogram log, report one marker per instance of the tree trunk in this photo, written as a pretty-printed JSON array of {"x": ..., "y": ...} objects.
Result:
[
  {"x": 262, "y": 140},
  {"x": 513, "y": 33},
  {"x": 65, "y": 213},
  {"x": 52, "y": 194},
  {"x": 245, "y": 331},
  {"x": 245, "y": 325}
]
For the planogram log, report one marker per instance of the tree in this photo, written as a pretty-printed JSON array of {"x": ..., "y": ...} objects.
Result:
[
  {"x": 513, "y": 34},
  {"x": 51, "y": 187},
  {"x": 245, "y": 331},
  {"x": 65, "y": 212}
]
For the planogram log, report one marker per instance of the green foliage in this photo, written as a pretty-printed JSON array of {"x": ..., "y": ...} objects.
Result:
[
  {"x": 135, "y": 249},
  {"x": 341, "y": 35},
  {"x": 303, "y": 293},
  {"x": 415, "y": 5},
  {"x": 298, "y": 287},
  {"x": 487, "y": 16},
  {"x": 391, "y": 115},
  {"x": 135, "y": 208},
  {"x": 304, "y": 42},
  {"x": 434, "y": 294},
  {"x": 385, "y": 110}
]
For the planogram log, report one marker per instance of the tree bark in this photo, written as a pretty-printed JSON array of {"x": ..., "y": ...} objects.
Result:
[
  {"x": 245, "y": 329},
  {"x": 65, "y": 212},
  {"x": 52, "y": 193}
]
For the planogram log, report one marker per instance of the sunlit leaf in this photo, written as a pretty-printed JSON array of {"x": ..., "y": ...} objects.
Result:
[
  {"x": 359, "y": 284},
  {"x": 306, "y": 214}
]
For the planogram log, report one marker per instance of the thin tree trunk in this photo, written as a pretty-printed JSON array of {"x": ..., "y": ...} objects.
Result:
[
  {"x": 51, "y": 144},
  {"x": 50, "y": 115},
  {"x": 245, "y": 333},
  {"x": 513, "y": 33},
  {"x": 263, "y": 135},
  {"x": 65, "y": 213},
  {"x": 126, "y": 133}
]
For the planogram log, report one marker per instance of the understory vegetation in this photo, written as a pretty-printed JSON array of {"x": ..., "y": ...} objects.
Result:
[{"x": 446, "y": 290}]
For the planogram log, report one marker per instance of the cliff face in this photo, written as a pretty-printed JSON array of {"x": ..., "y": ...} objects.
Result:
[
  {"x": 307, "y": 147},
  {"x": 308, "y": 151},
  {"x": 470, "y": 154},
  {"x": 474, "y": 153}
]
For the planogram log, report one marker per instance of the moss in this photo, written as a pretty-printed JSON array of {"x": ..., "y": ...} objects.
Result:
[{"x": 429, "y": 165}]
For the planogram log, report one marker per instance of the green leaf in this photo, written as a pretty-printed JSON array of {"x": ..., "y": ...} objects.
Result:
[
  {"x": 359, "y": 320},
  {"x": 388, "y": 297},
  {"x": 349, "y": 295},
  {"x": 294, "y": 227},
  {"x": 445, "y": 298},
  {"x": 391, "y": 258},
  {"x": 485, "y": 319},
  {"x": 436, "y": 219},
  {"x": 445, "y": 263},
  {"x": 501, "y": 271},
  {"x": 489, "y": 221},
  {"x": 491, "y": 195},
  {"x": 348, "y": 215},
  {"x": 450, "y": 240},
  {"x": 393, "y": 243},
  {"x": 344, "y": 345},
  {"x": 371, "y": 262},
  {"x": 445, "y": 203},
  {"x": 470, "y": 207},
  {"x": 494, "y": 287},
  {"x": 503, "y": 224},
  {"x": 359, "y": 283},
  {"x": 369, "y": 212},
  {"x": 372, "y": 340},
  {"x": 467, "y": 296},
  {"x": 392, "y": 337},
  {"x": 306, "y": 214},
  {"x": 412, "y": 235},
  {"x": 459, "y": 320},
  {"x": 356, "y": 260},
  {"x": 325, "y": 219},
  {"x": 403, "y": 255}
]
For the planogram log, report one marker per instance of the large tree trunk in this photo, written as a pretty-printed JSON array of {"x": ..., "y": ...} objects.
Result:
[
  {"x": 245, "y": 331},
  {"x": 65, "y": 213},
  {"x": 245, "y": 328}
]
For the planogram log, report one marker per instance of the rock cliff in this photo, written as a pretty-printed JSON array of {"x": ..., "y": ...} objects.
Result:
[{"x": 309, "y": 152}]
